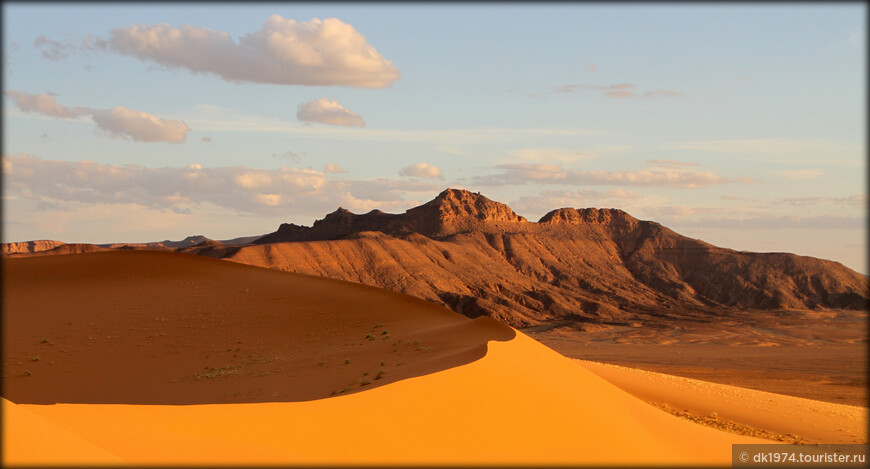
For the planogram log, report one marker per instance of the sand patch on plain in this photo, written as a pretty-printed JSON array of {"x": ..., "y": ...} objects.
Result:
[{"x": 813, "y": 421}]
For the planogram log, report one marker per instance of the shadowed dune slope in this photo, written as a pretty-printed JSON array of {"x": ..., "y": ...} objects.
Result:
[
  {"x": 522, "y": 404},
  {"x": 150, "y": 327}
]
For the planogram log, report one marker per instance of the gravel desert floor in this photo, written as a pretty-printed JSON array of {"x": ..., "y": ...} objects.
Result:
[{"x": 810, "y": 354}]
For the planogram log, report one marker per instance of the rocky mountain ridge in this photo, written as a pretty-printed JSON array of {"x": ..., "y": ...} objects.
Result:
[
  {"x": 479, "y": 257},
  {"x": 450, "y": 212},
  {"x": 573, "y": 266}
]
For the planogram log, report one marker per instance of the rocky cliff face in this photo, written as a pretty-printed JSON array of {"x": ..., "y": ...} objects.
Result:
[
  {"x": 27, "y": 247},
  {"x": 49, "y": 248},
  {"x": 455, "y": 210},
  {"x": 479, "y": 257}
]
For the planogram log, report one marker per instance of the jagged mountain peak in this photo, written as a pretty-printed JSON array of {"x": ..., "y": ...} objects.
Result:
[
  {"x": 453, "y": 204},
  {"x": 340, "y": 216}
]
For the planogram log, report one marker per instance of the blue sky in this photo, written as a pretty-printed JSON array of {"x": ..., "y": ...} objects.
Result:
[{"x": 739, "y": 124}]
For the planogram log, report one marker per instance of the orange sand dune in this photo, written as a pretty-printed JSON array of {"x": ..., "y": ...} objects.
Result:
[
  {"x": 521, "y": 404},
  {"x": 29, "y": 439},
  {"x": 168, "y": 358},
  {"x": 814, "y": 421}
]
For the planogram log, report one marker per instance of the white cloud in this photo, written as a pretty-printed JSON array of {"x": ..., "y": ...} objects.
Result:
[
  {"x": 45, "y": 104},
  {"x": 53, "y": 50},
  {"x": 140, "y": 126},
  {"x": 333, "y": 168},
  {"x": 801, "y": 174},
  {"x": 421, "y": 170},
  {"x": 515, "y": 174},
  {"x": 271, "y": 200},
  {"x": 118, "y": 122},
  {"x": 283, "y": 52},
  {"x": 253, "y": 180},
  {"x": 94, "y": 43},
  {"x": 325, "y": 111}
]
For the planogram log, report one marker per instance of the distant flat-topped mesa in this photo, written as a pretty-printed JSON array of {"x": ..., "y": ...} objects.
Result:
[
  {"x": 576, "y": 216},
  {"x": 26, "y": 247}
]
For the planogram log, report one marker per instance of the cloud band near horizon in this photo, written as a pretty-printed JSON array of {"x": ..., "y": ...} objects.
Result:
[
  {"x": 519, "y": 174},
  {"x": 264, "y": 192}
]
